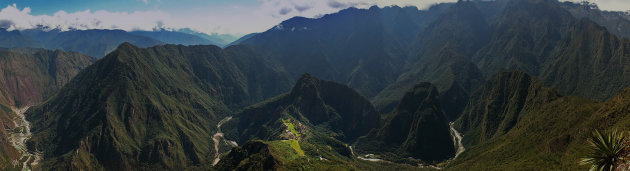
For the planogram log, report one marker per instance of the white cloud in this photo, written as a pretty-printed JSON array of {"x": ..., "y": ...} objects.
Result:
[
  {"x": 313, "y": 8},
  {"x": 233, "y": 19},
  {"x": 284, "y": 9},
  {"x": 610, "y": 5},
  {"x": 212, "y": 19},
  {"x": 22, "y": 19}
]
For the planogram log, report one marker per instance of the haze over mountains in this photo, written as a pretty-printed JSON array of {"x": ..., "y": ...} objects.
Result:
[
  {"x": 479, "y": 85},
  {"x": 98, "y": 43}
]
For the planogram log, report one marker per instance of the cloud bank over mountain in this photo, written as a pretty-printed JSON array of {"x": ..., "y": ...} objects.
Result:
[
  {"x": 258, "y": 16},
  {"x": 234, "y": 19},
  {"x": 14, "y": 18}
]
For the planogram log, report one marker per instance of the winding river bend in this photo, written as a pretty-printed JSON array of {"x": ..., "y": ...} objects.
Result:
[
  {"x": 18, "y": 138},
  {"x": 217, "y": 137}
]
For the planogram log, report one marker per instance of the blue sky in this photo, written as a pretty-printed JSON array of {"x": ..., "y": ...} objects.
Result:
[
  {"x": 209, "y": 16},
  {"x": 49, "y": 7}
]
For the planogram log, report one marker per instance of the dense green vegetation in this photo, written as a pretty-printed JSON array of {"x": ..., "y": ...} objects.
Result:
[
  {"x": 30, "y": 76},
  {"x": 498, "y": 105},
  {"x": 148, "y": 108},
  {"x": 158, "y": 108},
  {"x": 8, "y": 153},
  {"x": 418, "y": 128},
  {"x": 313, "y": 105},
  {"x": 276, "y": 155},
  {"x": 552, "y": 136}
]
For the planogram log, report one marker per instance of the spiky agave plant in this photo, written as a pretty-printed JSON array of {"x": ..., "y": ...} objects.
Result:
[{"x": 607, "y": 150}]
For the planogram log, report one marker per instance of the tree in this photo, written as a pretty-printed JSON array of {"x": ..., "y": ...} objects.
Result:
[{"x": 607, "y": 150}]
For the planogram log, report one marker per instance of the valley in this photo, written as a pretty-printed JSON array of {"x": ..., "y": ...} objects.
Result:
[
  {"x": 457, "y": 138},
  {"x": 466, "y": 85},
  {"x": 19, "y": 136},
  {"x": 217, "y": 138}
]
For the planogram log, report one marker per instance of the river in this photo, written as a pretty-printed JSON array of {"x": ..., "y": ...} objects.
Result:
[
  {"x": 457, "y": 138},
  {"x": 18, "y": 138},
  {"x": 217, "y": 137}
]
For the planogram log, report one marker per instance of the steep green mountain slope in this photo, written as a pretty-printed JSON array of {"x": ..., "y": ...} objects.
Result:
[
  {"x": 27, "y": 79},
  {"x": 8, "y": 154},
  {"x": 440, "y": 55},
  {"x": 363, "y": 48},
  {"x": 307, "y": 128},
  {"x": 590, "y": 62},
  {"x": 542, "y": 38},
  {"x": 457, "y": 50},
  {"x": 496, "y": 107},
  {"x": 550, "y": 136},
  {"x": 418, "y": 128},
  {"x": 524, "y": 36},
  {"x": 313, "y": 104},
  {"x": 153, "y": 108}
]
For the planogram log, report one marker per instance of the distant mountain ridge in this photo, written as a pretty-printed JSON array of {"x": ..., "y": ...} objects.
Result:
[
  {"x": 173, "y": 37},
  {"x": 616, "y": 22},
  {"x": 97, "y": 43},
  {"x": 362, "y": 48}
]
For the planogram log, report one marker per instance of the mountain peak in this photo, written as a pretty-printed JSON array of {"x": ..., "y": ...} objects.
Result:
[
  {"x": 126, "y": 45},
  {"x": 418, "y": 128},
  {"x": 136, "y": 100},
  {"x": 321, "y": 103},
  {"x": 305, "y": 77}
]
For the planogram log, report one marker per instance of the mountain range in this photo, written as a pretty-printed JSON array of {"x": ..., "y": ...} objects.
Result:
[
  {"x": 98, "y": 43},
  {"x": 176, "y": 92},
  {"x": 471, "y": 85}
]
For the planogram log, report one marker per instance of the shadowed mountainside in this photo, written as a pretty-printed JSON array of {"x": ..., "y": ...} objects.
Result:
[{"x": 417, "y": 128}]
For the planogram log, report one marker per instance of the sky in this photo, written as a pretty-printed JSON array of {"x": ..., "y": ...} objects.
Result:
[{"x": 209, "y": 16}]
